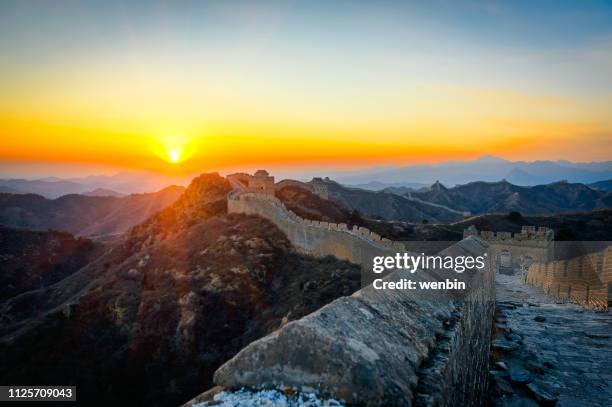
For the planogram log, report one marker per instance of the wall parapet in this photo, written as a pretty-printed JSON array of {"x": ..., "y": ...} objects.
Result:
[
  {"x": 382, "y": 347},
  {"x": 584, "y": 280},
  {"x": 297, "y": 228},
  {"x": 527, "y": 233},
  {"x": 375, "y": 347}
]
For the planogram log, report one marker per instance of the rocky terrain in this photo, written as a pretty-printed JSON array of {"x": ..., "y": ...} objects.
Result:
[
  {"x": 81, "y": 214},
  {"x": 32, "y": 260},
  {"x": 148, "y": 322}
]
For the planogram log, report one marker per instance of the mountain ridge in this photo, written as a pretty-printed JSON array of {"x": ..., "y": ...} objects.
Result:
[
  {"x": 480, "y": 197},
  {"x": 81, "y": 214},
  {"x": 487, "y": 168}
]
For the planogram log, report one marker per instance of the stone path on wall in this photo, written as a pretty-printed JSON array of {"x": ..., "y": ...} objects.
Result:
[{"x": 548, "y": 353}]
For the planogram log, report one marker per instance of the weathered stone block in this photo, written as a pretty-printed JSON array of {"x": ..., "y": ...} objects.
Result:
[{"x": 370, "y": 348}]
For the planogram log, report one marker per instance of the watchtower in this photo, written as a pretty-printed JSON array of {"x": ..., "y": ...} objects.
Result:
[{"x": 263, "y": 182}]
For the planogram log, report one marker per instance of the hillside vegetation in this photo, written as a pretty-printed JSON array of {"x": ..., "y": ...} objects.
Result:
[{"x": 157, "y": 314}]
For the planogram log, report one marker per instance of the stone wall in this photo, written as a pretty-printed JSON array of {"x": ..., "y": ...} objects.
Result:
[
  {"x": 357, "y": 245},
  {"x": 585, "y": 280},
  {"x": 383, "y": 347},
  {"x": 376, "y": 347},
  {"x": 293, "y": 183},
  {"x": 522, "y": 249},
  {"x": 527, "y": 234}
]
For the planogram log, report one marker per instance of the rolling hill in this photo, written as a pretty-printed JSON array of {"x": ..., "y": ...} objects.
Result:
[
  {"x": 160, "y": 311},
  {"x": 503, "y": 197},
  {"x": 389, "y": 206},
  {"x": 83, "y": 215}
]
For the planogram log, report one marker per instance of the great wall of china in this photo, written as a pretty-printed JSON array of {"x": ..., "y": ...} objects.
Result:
[
  {"x": 383, "y": 347},
  {"x": 585, "y": 280},
  {"x": 439, "y": 346}
]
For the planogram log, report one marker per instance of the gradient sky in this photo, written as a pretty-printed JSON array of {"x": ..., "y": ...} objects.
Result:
[{"x": 225, "y": 84}]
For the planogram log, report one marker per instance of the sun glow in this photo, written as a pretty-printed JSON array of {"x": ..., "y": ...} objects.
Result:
[
  {"x": 173, "y": 149},
  {"x": 175, "y": 156}
]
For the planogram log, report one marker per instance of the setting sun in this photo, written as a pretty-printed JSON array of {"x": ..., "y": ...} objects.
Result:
[
  {"x": 172, "y": 149},
  {"x": 175, "y": 156}
]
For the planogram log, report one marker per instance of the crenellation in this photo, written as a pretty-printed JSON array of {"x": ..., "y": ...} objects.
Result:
[
  {"x": 487, "y": 235},
  {"x": 582, "y": 280},
  {"x": 504, "y": 236},
  {"x": 363, "y": 231},
  {"x": 310, "y": 235},
  {"x": 416, "y": 315},
  {"x": 514, "y": 253}
]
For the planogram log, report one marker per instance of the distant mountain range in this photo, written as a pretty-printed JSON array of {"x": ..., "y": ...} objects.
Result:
[
  {"x": 390, "y": 206},
  {"x": 602, "y": 185},
  {"x": 103, "y": 192},
  {"x": 120, "y": 184},
  {"x": 440, "y": 204},
  {"x": 486, "y": 168},
  {"x": 81, "y": 214},
  {"x": 501, "y": 197},
  {"x": 389, "y": 178}
]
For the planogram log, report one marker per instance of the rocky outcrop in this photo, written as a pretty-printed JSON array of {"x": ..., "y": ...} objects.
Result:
[{"x": 382, "y": 347}]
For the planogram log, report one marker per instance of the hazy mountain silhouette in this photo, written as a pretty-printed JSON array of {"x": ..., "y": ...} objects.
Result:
[
  {"x": 84, "y": 215},
  {"x": 103, "y": 192},
  {"x": 122, "y": 183},
  {"x": 486, "y": 168},
  {"x": 602, "y": 185},
  {"x": 390, "y": 206}
]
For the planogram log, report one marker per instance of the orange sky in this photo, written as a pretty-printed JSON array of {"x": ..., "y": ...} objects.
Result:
[{"x": 141, "y": 90}]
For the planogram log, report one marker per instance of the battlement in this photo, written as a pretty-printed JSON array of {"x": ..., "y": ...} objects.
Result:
[
  {"x": 371, "y": 317},
  {"x": 585, "y": 280},
  {"x": 263, "y": 182},
  {"x": 527, "y": 233},
  {"x": 282, "y": 215},
  {"x": 320, "y": 186}
]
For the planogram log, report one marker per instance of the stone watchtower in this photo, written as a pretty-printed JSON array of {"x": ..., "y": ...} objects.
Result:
[
  {"x": 262, "y": 182},
  {"x": 516, "y": 252},
  {"x": 320, "y": 187}
]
